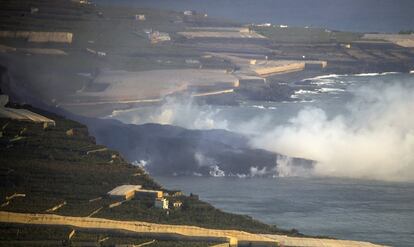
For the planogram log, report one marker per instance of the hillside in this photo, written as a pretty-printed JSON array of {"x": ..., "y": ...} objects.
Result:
[{"x": 63, "y": 164}]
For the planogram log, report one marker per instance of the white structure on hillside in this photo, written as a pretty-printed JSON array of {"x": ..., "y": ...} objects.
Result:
[
  {"x": 161, "y": 203},
  {"x": 140, "y": 17},
  {"x": 128, "y": 192},
  {"x": 158, "y": 194},
  {"x": 125, "y": 192},
  {"x": 22, "y": 114},
  {"x": 177, "y": 204},
  {"x": 39, "y": 37},
  {"x": 156, "y": 37}
]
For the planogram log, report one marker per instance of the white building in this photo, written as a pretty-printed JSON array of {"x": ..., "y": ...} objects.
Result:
[
  {"x": 101, "y": 53},
  {"x": 177, "y": 204},
  {"x": 125, "y": 192},
  {"x": 140, "y": 17},
  {"x": 157, "y": 36},
  {"x": 161, "y": 203}
]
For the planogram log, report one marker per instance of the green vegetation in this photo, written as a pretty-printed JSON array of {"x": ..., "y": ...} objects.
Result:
[{"x": 51, "y": 166}]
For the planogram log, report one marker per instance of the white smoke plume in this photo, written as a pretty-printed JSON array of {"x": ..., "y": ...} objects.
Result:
[
  {"x": 255, "y": 171},
  {"x": 286, "y": 168},
  {"x": 375, "y": 140},
  {"x": 179, "y": 112}
]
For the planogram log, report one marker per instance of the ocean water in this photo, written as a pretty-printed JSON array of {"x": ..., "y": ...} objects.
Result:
[
  {"x": 380, "y": 212},
  {"x": 350, "y": 15}
]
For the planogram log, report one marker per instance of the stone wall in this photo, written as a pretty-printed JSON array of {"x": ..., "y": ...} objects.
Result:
[
  {"x": 186, "y": 232},
  {"x": 285, "y": 68},
  {"x": 39, "y": 37}
]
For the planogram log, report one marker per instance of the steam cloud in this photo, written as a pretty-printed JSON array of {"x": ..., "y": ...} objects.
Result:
[
  {"x": 183, "y": 113},
  {"x": 375, "y": 140}
]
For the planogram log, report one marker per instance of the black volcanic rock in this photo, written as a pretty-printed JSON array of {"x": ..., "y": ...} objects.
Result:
[{"x": 171, "y": 150}]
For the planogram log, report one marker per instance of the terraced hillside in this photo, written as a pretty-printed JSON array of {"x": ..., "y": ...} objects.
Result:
[{"x": 61, "y": 170}]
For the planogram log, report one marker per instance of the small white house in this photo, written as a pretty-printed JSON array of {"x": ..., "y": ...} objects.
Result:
[
  {"x": 140, "y": 17},
  {"x": 161, "y": 203},
  {"x": 101, "y": 53},
  {"x": 177, "y": 204}
]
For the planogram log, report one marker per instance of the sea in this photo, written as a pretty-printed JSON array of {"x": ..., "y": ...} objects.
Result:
[
  {"x": 379, "y": 212},
  {"x": 389, "y": 16},
  {"x": 377, "y": 208}
]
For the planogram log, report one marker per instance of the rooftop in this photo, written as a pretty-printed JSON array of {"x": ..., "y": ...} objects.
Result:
[{"x": 124, "y": 189}]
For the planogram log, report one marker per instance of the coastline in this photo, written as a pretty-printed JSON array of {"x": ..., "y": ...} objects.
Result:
[{"x": 56, "y": 84}]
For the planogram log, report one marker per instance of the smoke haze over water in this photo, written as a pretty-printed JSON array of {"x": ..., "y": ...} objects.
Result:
[{"x": 373, "y": 138}]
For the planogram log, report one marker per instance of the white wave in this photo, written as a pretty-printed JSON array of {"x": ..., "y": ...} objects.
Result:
[
  {"x": 298, "y": 101},
  {"x": 366, "y": 74},
  {"x": 215, "y": 171},
  {"x": 241, "y": 175},
  {"x": 306, "y": 101},
  {"x": 330, "y": 76},
  {"x": 330, "y": 90},
  {"x": 411, "y": 71},
  {"x": 324, "y": 77},
  {"x": 322, "y": 82},
  {"x": 390, "y": 73},
  {"x": 272, "y": 108},
  {"x": 258, "y": 106},
  {"x": 376, "y": 74},
  {"x": 302, "y": 91}
]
